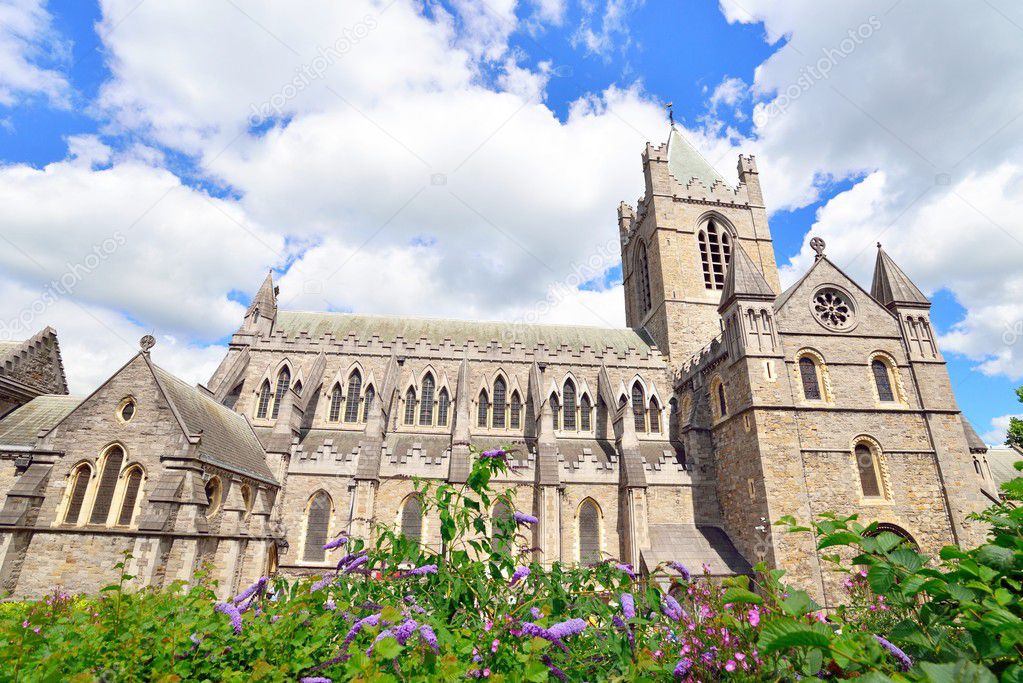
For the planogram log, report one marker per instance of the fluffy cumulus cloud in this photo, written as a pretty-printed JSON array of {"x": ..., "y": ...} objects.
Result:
[
  {"x": 928, "y": 120},
  {"x": 31, "y": 54},
  {"x": 999, "y": 427}
]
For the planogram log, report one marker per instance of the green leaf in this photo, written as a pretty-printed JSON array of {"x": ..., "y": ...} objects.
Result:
[
  {"x": 781, "y": 634},
  {"x": 957, "y": 672},
  {"x": 738, "y": 596},
  {"x": 839, "y": 538},
  {"x": 387, "y": 648},
  {"x": 907, "y": 558},
  {"x": 799, "y": 603},
  {"x": 881, "y": 577},
  {"x": 535, "y": 671},
  {"x": 996, "y": 557}
]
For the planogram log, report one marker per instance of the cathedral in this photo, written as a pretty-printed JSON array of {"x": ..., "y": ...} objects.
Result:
[{"x": 725, "y": 405}]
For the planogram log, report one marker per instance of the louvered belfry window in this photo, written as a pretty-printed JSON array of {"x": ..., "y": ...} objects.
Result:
[
  {"x": 883, "y": 380},
  {"x": 412, "y": 519},
  {"x": 131, "y": 494},
  {"x": 264, "y": 400},
  {"x": 638, "y": 408},
  {"x": 354, "y": 397},
  {"x": 722, "y": 403},
  {"x": 589, "y": 533},
  {"x": 644, "y": 280},
  {"x": 426, "y": 404},
  {"x": 79, "y": 486},
  {"x": 808, "y": 375},
  {"x": 443, "y": 404},
  {"x": 335, "y": 403},
  {"x": 107, "y": 484},
  {"x": 868, "y": 471},
  {"x": 283, "y": 382},
  {"x": 500, "y": 402},
  {"x": 317, "y": 524},
  {"x": 568, "y": 396},
  {"x": 715, "y": 254}
]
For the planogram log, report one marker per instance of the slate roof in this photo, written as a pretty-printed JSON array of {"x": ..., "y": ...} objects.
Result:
[
  {"x": 685, "y": 163},
  {"x": 43, "y": 412},
  {"x": 891, "y": 285},
  {"x": 227, "y": 440},
  {"x": 364, "y": 327},
  {"x": 694, "y": 546},
  {"x": 976, "y": 443},
  {"x": 1001, "y": 461},
  {"x": 744, "y": 279}
]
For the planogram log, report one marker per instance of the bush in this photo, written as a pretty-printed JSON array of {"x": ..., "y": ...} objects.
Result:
[{"x": 399, "y": 611}]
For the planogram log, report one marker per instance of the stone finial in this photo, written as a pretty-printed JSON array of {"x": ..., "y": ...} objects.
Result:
[
  {"x": 818, "y": 244},
  {"x": 147, "y": 342}
]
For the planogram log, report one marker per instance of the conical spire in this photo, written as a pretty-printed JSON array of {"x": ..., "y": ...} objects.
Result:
[
  {"x": 891, "y": 286},
  {"x": 686, "y": 163},
  {"x": 265, "y": 300},
  {"x": 744, "y": 279}
]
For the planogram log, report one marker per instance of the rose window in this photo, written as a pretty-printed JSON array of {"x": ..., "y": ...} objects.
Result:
[{"x": 832, "y": 309}]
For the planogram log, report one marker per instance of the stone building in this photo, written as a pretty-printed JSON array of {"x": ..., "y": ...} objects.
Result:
[{"x": 725, "y": 405}]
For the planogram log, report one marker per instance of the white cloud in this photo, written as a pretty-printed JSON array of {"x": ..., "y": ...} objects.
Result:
[
  {"x": 999, "y": 427},
  {"x": 728, "y": 92},
  {"x": 31, "y": 54},
  {"x": 604, "y": 28}
]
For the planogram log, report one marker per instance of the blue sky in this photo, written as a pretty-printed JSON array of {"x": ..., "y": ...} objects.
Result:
[{"x": 489, "y": 143}]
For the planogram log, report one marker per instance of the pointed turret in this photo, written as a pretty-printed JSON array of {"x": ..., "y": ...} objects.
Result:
[
  {"x": 686, "y": 163},
  {"x": 262, "y": 312},
  {"x": 892, "y": 287},
  {"x": 744, "y": 280}
]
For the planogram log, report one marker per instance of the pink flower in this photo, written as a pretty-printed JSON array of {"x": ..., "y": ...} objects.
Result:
[
  {"x": 754, "y": 617},
  {"x": 730, "y": 666},
  {"x": 494, "y": 645}
]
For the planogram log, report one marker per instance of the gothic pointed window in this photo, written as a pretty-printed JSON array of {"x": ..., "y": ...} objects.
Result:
[
  {"x": 132, "y": 483},
  {"x": 500, "y": 402},
  {"x": 482, "y": 409},
  {"x": 367, "y": 402},
  {"x": 643, "y": 280},
  {"x": 638, "y": 407},
  {"x": 589, "y": 533},
  {"x": 568, "y": 409},
  {"x": 882, "y": 380},
  {"x": 354, "y": 396},
  {"x": 410, "y": 406},
  {"x": 808, "y": 376},
  {"x": 516, "y": 411},
  {"x": 426, "y": 403},
  {"x": 283, "y": 381},
  {"x": 443, "y": 405},
  {"x": 317, "y": 526},
  {"x": 870, "y": 476},
  {"x": 715, "y": 254},
  {"x": 264, "y": 400},
  {"x": 335, "y": 403},
  {"x": 214, "y": 496},
  {"x": 585, "y": 413},
  {"x": 555, "y": 411},
  {"x": 109, "y": 474},
  {"x": 79, "y": 485},
  {"x": 412, "y": 518},
  {"x": 298, "y": 387},
  {"x": 655, "y": 416},
  {"x": 722, "y": 403}
]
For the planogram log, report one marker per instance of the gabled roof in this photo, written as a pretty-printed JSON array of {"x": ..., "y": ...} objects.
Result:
[
  {"x": 45, "y": 377},
  {"x": 21, "y": 427},
  {"x": 1001, "y": 460},
  {"x": 744, "y": 279},
  {"x": 973, "y": 439},
  {"x": 892, "y": 286},
  {"x": 685, "y": 163},
  {"x": 265, "y": 299},
  {"x": 226, "y": 437}
]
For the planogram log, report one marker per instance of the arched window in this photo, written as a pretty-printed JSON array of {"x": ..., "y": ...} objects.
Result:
[
  {"x": 555, "y": 411},
  {"x": 410, "y": 406},
  {"x": 110, "y": 472},
  {"x": 367, "y": 402},
  {"x": 317, "y": 525},
  {"x": 585, "y": 413},
  {"x": 722, "y": 403},
  {"x": 643, "y": 280},
  {"x": 335, "y": 402},
  {"x": 482, "y": 409},
  {"x": 568, "y": 410},
  {"x": 589, "y": 532},
  {"x": 870, "y": 474},
  {"x": 655, "y": 416},
  {"x": 516, "y": 411},
  {"x": 808, "y": 375},
  {"x": 264, "y": 400},
  {"x": 426, "y": 404},
  {"x": 500, "y": 402},
  {"x": 893, "y": 529},
  {"x": 412, "y": 519},
  {"x": 882, "y": 380},
  {"x": 79, "y": 485},
  {"x": 298, "y": 387},
  {"x": 500, "y": 513},
  {"x": 354, "y": 396},
  {"x": 638, "y": 407},
  {"x": 214, "y": 496},
  {"x": 715, "y": 254},
  {"x": 283, "y": 381},
  {"x": 132, "y": 483},
  {"x": 442, "y": 407}
]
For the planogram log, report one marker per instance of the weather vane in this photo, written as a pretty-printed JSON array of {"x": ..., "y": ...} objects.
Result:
[{"x": 671, "y": 112}]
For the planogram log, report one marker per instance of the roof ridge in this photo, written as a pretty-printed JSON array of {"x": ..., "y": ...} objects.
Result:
[{"x": 395, "y": 316}]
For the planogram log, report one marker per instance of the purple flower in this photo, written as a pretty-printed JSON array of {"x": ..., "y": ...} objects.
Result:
[
  {"x": 683, "y": 667},
  {"x": 429, "y": 637},
  {"x": 347, "y": 559},
  {"x": 554, "y": 671},
  {"x": 233, "y": 614},
  {"x": 671, "y": 608},
  {"x": 495, "y": 453},
  {"x": 628, "y": 605},
  {"x": 314, "y": 679},
  {"x": 321, "y": 584},
  {"x": 405, "y": 631},
  {"x": 361, "y": 560},
  {"x": 251, "y": 590},
  {"x": 424, "y": 570},
  {"x": 681, "y": 569},
  {"x": 627, "y": 568},
  {"x": 523, "y": 518},
  {"x": 336, "y": 543},
  {"x": 330, "y": 605},
  {"x": 567, "y": 628},
  {"x": 537, "y": 614},
  {"x": 371, "y": 620},
  {"x": 520, "y": 573},
  {"x": 196, "y": 640},
  {"x": 905, "y": 662}
]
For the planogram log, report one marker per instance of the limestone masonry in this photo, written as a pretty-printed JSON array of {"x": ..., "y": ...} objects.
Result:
[{"x": 725, "y": 405}]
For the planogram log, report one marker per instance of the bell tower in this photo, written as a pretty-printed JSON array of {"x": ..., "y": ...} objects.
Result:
[{"x": 679, "y": 239}]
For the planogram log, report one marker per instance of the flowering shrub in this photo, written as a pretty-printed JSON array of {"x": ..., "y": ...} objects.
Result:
[{"x": 479, "y": 609}]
